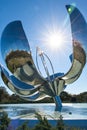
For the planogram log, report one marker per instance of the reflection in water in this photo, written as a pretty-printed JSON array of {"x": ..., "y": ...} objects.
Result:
[
  {"x": 27, "y": 111},
  {"x": 16, "y": 112}
]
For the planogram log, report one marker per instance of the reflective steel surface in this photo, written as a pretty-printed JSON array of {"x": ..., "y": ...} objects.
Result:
[{"x": 19, "y": 71}]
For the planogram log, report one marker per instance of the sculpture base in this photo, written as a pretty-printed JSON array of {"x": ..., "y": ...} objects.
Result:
[{"x": 58, "y": 103}]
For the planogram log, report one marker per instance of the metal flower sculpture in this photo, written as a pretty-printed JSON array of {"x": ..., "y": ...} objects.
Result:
[{"x": 19, "y": 72}]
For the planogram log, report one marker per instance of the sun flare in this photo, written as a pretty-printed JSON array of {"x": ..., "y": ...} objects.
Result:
[{"x": 55, "y": 40}]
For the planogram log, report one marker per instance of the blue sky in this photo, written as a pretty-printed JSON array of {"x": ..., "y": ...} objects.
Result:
[{"x": 40, "y": 18}]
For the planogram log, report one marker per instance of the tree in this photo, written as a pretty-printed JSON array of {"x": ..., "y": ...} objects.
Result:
[
  {"x": 43, "y": 123},
  {"x": 60, "y": 124},
  {"x": 24, "y": 126},
  {"x": 4, "y": 121}
]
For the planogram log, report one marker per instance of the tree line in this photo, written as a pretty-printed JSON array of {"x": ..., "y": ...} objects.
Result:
[{"x": 5, "y": 98}]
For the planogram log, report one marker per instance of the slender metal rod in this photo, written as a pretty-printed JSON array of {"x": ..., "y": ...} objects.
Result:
[{"x": 42, "y": 54}]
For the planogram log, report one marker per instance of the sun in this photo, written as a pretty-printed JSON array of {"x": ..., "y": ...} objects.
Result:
[{"x": 55, "y": 40}]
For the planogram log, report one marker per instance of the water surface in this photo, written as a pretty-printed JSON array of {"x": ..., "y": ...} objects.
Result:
[{"x": 27, "y": 111}]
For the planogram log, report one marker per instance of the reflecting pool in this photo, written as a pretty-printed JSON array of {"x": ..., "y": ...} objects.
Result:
[{"x": 72, "y": 111}]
